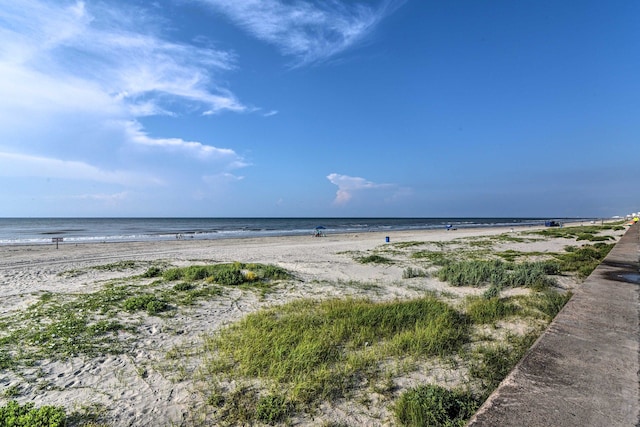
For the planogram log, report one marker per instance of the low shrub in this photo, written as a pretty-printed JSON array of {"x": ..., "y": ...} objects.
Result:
[
  {"x": 11, "y": 391},
  {"x": 550, "y": 267},
  {"x": 433, "y": 405},
  {"x": 145, "y": 302},
  {"x": 229, "y": 277},
  {"x": 272, "y": 409},
  {"x": 6, "y": 361},
  {"x": 152, "y": 272},
  {"x": 490, "y": 364},
  {"x": 15, "y": 415},
  {"x": 549, "y": 303},
  {"x": 530, "y": 275},
  {"x": 510, "y": 255},
  {"x": 472, "y": 273},
  {"x": 483, "y": 310},
  {"x": 498, "y": 274},
  {"x": 411, "y": 272},
  {"x": 230, "y": 274},
  {"x": 269, "y": 271},
  {"x": 183, "y": 286},
  {"x": 492, "y": 291},
  {"x": 117, "y": 266},
  {"x": 156, "y": 306},
  {"x": 198, "y": 272},
  {"x": 172, "y": 274},
  {"x": 592, "y": 238},
  {"x": 375, "y": 259},
  {"x": 435, "y": 257},
  {"x": 585, "y": 259}
]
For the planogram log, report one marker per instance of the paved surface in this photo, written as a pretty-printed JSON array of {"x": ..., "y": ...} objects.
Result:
[{"x": 583, "y": 371}]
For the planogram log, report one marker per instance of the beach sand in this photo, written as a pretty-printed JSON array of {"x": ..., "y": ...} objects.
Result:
[{"x": 143, "y": 386}]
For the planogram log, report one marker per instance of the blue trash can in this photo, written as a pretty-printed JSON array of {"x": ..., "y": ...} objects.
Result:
[{"x": 386, "y": 239}]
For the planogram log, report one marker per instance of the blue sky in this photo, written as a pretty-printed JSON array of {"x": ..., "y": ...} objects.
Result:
[{"x": 319, "y": 108}]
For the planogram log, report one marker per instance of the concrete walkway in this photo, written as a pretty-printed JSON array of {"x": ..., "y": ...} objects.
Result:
[{"x": 583, "y": 371}]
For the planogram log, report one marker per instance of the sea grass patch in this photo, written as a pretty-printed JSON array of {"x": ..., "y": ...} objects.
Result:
[
  {"x": 499, "y": 274},
  {"x": 230, "y": 274},
  {"x": 375, "y": 259},
  {"x": 486, "y": 310},
  {"x": 324, "y": 350},
  {"x": 15, "y": 415},
  {"x": 434, "y": 405},
  {"x": 583, "y": 260},
  {"x": 583, "y": 232}
]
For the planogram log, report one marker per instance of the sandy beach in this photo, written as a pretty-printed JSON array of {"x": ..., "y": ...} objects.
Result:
[{"x": 151, "y": 382}]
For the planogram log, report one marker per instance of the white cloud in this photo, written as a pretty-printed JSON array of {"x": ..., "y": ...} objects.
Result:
[
  {"x": 30, "y": 27},
  {"x": 348, "y": 186},
  {"x": 221, "y": 178},
  {"x": 20, "y": 165},
  {"x": 109, "y": 198},
  {"x": 114, "y": 199},
  {"x": 310, "y": 31},
  {"x": 29, "y": 97},
  {"x": 205, "y": 152}
]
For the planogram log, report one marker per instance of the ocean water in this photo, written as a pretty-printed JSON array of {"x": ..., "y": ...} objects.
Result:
[{"x": 86, "y": 230}]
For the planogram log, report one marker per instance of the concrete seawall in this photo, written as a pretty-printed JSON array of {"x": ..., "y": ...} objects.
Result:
[{"x": 583, "y": 370}]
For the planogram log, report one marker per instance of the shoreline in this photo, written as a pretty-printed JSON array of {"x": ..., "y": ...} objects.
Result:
[
  {"x": 157, "y": 247},
  {"x": 471, "y": 228},
  {"x": 34, "y": 232}
]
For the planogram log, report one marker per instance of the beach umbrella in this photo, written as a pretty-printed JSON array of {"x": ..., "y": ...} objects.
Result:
[{"x": 319, "y": 231}]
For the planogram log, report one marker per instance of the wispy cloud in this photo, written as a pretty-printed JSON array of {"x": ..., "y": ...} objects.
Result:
[
  {"x": 20, "y": 165},
  {"x": 232, "y": 160},
  {"x": 221, "y": 178},
  {"x": 117, "y": 54},
  {"x": 102, "y": 197},
  {"x": 105, "y": 199},
  {"x": 348, "y": 186},
  {"x": 310, "y": 31}
]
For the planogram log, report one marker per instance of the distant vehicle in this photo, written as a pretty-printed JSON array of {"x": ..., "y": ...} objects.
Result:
[{"x": 552, "y": 224}]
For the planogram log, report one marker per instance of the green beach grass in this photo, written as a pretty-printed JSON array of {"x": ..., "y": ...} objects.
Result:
[{"x": 307, "y": 352}]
